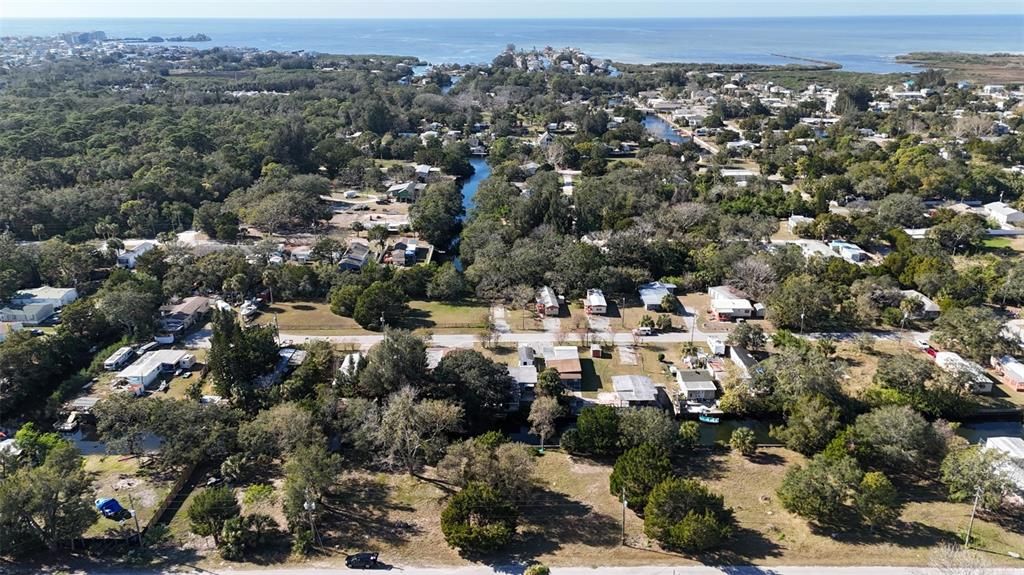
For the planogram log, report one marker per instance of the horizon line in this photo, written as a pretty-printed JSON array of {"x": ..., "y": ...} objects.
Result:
[{"x": 517, "y": 18}]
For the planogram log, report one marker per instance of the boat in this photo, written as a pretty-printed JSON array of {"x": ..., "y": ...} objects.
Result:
[{"x": 708, "y": 419}]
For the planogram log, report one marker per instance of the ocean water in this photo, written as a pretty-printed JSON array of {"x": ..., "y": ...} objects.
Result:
[{"x": 866, "y": 44}]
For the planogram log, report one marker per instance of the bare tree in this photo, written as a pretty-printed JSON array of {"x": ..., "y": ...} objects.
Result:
[
  {"x": 543, "y": 413},
  {"x": 412, "y": 431},
  {"x": 753, "y": 276}
]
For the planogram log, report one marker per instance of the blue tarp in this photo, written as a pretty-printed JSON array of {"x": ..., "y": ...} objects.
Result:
[{"x": 109, "y": 507}]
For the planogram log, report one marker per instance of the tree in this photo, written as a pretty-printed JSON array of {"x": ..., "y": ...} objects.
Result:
[
  {"x": 492, "y": 460},
  {"x": 399, "y": 361},
  {"x": 747, "y": 336},
  {"x": 483, "y": 387},
  {"x": 412, "y": 431},
  {"x": 131, "y": 306},
  {"x": 381, "y": 302},
  {"x": 801, "y": 302},
  {"x": 49, "y": 504},
  {"x": 437, "y": 212},
  {"x": 210, "y": 509},
  {"x": 811, "y": 422},
  {"x": 688, "y": 436},
  {"x": 549, "y": 383},
  {"x": 972, "y": 470},
  {"x": 964, "y": 233},
  {"x": 647, "y": 425},
  {"x": 239, "y": 357},
  {"x": 684, "y": 514},
  {"x": 597, "y": 430},
  {"x": 310, "y": 473},
  {"x": 278, "y": 431},
  {"x": 744, "y": 441},
  {"x": 344, "y": 299},
  {"x": 448, "y": 284},
  {"x": 896, "y": 437},
  {"x": 974, "y": 332},
  {"x": 900, "y": 211},
  {"x": 543, "y": 413},
  {"x": 820, "y": 489},
  {"x": 478, "y": 519},
  {"x": 876, "y": 500},
  {"x": 637, "y": 472}
]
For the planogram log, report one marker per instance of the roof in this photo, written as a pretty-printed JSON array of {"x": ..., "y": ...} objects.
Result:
[
  {"x": 189, "y": 306},
  {"x": 952, "y": 362},
  {"x": 523, "y": 374},
  {"x": 1012, "y": 446},
  {"x": 695, "y": 380},
  {"x": 596, "y": 297},
  {"x": 526, "y": 354},
  {"x": 652, "y": 293},
  {"x": 742, "y": 356},
  {"x": 44, "y": 293},
  {"x": 8, "y": 446},
  {"x": 1001, "y": 209},
  {"x": 635, "y": 388},
  {"x": 719, "y": 304},
  {"x": 929, "y": 304},
  {"x": 546, "y": 296},
  {"x": 152, "y": 361}
]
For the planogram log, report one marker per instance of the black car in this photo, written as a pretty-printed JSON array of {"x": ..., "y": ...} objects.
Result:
[{"x": 361, "y": 561}]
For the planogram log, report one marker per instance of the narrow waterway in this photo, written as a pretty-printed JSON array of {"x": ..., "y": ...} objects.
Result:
[
  {"x": 482, "y": 170},
  {"x": 661, "y": 129}
]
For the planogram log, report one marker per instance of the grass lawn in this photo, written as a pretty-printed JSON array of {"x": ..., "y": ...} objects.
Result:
[
  {"x": 436, "y": 315},
  {"x": 997, "y": 243},
  {"x": 308, "y": 317},
  {"x": 118, "y": 476},
  {"x": 572, "y": 519},
  {"x": 598, "y": 373}
]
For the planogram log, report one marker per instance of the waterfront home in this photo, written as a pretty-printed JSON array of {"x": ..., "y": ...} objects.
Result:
[
  {"x": 635, "y": 391},
  {"x": 695, "y": 385}
]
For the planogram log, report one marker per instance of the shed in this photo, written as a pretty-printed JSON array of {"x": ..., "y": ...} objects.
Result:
[{"x": 635, "y": 390}]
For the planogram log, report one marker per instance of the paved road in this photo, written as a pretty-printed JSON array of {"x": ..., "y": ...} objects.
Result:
[{"x": 663, "y": 570}]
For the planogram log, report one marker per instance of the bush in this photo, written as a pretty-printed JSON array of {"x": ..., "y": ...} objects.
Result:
[
  {"x": 684, "y": 514},
  {"x": 597, "y": 431},
  {"x": 211, "y": 509},
  {"x": 637, "y": 472},
  {"x": 820, "y": 490},
  {"x": 477, "y": 519},
  {"x": 688, "y": 436},
  {"x": 744, "y": 441},
  {"x": 537, "y": 570}
]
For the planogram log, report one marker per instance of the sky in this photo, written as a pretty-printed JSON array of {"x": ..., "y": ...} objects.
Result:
[{"x": 412, "y": 9}]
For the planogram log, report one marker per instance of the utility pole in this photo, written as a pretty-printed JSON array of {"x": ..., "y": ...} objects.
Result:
[
  {"x": 974, "y": 510},
  {"x": 624, "y": 505},
  {"x": 310, "y": 506},
  {"x": 138, "y": 531}
]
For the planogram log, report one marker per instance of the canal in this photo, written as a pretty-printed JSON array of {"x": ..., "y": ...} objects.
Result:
[
  {"x": 481, "y": 171},
  {"x": 662, "y": 130}
]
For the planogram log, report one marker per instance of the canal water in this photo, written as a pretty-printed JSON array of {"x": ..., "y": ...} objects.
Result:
[
  {"x": 661, "y": 129},
  {"x": 469, "y": 187}
]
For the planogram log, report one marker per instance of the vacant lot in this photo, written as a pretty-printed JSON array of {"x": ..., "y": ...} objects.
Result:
[
  {"x": 313, "y": 318},
  {"x": 572, "y": 519},
  {"x": 439, "y": 316},
  {"x": 120, "y": 477}
]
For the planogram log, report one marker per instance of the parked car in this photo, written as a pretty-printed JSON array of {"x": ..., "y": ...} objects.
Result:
[{"x": 363, "y": 560}]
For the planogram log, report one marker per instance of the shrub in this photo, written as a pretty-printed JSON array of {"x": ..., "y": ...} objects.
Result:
[
  {"x": 689, "y": 435},
  {"x": 477, "y": 519},
  {"x": 684, "y": 514},
  {"x": 744, "y": 441},
  {"x": 537, "y": 570},
  {"x": 637, "y": 472},
  {"x": 819, "y": 490},
  {"x": 211, "y": 509}
]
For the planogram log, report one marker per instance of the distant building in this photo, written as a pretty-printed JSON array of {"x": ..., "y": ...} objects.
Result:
[
  {"x": 179, "y": 318},
  {"x": 1003, "y": 214},
  {"x": 7, "y": 328},
  {"x": 26, "y": 314},
  {"x": 128, "y": 258},
  {"x": 55, "y": 297}
]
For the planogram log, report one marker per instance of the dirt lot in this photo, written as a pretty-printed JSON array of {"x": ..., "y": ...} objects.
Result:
[{"x": 118, "y": 476}]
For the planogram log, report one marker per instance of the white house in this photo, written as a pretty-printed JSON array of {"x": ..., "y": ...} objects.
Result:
[
  {"x": 1013, "y": 468},
  {"x": 595, "y": 303},
  {"x": 952, "y": 363},
  {"x": 128, "y": 258},
  {"x": 653, "y": 293},
  {"x": 695, "y": 385},
  {"x": 547, "y": 302},
  {"x": 849, "y": 252},
  {"x": 26, "y": 314},
  {"x": 147, "y": 368},
  {"x": 728, "y": 304},
  {"x": 1011, "y": 369},
  {"x": 55, "y": 297},
  {"x": 1003, "y": 214}
]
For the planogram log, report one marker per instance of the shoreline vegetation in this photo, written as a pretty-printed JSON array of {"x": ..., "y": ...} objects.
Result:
[{"x": 995, "y": 67}]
